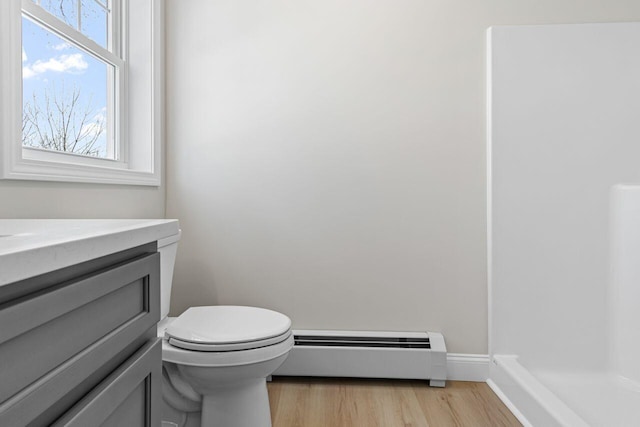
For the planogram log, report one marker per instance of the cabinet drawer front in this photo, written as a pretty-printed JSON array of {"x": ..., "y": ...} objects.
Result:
[
  {"x": 52, "y": 341},
  {"x": 124, "y": 398}
]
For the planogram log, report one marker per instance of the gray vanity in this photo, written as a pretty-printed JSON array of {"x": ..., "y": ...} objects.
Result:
[{"x": 79, "y": 303}]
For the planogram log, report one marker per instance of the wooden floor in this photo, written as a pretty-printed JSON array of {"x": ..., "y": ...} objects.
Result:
[{"x": 322, "y": 402}]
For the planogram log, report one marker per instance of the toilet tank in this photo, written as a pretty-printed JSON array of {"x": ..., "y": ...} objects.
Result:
[{"x": 168, "y": 248}]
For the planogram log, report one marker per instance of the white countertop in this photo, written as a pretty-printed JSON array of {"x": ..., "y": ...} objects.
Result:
[{"x": 29, "y": 247}]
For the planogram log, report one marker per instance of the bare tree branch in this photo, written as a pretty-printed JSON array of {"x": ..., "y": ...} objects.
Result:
[{"x": 65, "y": 124}]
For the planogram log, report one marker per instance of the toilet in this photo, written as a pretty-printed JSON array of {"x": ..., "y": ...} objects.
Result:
[{"x": 216, "y": 358}]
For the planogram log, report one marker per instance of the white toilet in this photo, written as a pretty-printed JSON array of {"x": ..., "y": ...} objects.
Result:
[{"x": 216, "y": 358}]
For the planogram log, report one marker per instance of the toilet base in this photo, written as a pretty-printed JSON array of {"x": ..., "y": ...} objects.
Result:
[
  {"x": 233, "y": 395},
  {"x": 244, "y": 404}
]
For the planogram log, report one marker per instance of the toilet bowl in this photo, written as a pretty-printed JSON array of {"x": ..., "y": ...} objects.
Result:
[{"x": 216, "y": 358}]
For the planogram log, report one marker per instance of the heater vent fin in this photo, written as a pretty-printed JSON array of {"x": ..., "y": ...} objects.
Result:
[
  {"x": 367, "y": 354},
  {"x": 366, "y": 341}
]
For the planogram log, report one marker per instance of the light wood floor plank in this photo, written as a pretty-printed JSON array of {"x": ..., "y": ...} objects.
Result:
[{"x": 328, "y": 402}]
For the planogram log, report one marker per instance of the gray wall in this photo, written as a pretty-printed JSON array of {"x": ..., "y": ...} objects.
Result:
[
  {"x": 327, "y": 158},
  {"x": 35, "y": 199}
]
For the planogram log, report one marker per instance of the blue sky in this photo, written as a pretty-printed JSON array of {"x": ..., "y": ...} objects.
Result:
[{"x": 49, "y": 63}]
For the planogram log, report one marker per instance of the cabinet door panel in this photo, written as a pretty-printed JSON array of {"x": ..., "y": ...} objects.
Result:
[
  {"x": 56, "y": 341},
  {"x": 131, "y": 412},
  {"x": 124, "y": 398}
]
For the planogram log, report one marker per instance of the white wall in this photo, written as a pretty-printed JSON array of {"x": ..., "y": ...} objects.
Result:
[
  {"x": 565, "y": 130},
  {"x": 327, "y": 158}
]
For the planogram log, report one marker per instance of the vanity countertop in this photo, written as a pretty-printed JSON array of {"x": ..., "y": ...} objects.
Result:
[{"x": 29, "y": 247}]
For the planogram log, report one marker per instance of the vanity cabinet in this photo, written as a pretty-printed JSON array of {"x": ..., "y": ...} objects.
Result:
[{"x": 78, "y": 345}]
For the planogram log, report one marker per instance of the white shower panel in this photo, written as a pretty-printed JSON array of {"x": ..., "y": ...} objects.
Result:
[
  {"x": 625, "y": 290},
  {"x": 564, "y": 230},
  {"x": 564, "y": 127}
]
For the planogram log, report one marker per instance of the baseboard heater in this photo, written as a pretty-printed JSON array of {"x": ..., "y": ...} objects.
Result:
[{"x": 365, "y": 354}]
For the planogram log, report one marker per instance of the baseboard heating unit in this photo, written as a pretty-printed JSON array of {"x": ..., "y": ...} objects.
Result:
[{"x": 365, "y": 354}]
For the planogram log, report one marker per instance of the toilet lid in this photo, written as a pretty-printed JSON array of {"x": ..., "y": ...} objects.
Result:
[{"x": 225, "y": 324}]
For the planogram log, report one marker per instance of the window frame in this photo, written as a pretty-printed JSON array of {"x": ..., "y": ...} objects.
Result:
[
  {"x": 116, "y": 109},
  {"x": 139, "y": 159}
]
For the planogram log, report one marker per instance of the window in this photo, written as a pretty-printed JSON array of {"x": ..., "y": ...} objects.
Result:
[
  {"x": 75, "y": 105},
  {"x": 72, "y": 77}
]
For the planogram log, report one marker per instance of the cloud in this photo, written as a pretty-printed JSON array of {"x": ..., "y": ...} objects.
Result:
[
  {"x": 74, "y": 63},
  {"x": 61, "y": 46},
  {"x": 91, "y": 130},
  {"x": 24, "y": 55},
  {"x": 96, "y": 127}
]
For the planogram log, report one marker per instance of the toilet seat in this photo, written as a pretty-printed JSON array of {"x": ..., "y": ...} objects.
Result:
[
  {"x": 225, "y": 336},
  {"x": 227, "y": 328},
  {"x": 221, "y": 359},
  {"x": 247, "y": 345}
]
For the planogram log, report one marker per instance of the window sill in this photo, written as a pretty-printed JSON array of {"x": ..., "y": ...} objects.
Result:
[{"x": 42, "y": 170}]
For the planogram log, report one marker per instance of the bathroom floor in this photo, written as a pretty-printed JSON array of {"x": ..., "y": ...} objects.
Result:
[{"x": 321, "y": 402}]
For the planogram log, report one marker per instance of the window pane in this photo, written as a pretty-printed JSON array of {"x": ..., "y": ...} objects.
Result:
[
  {"x": 93, "y": 21},
  {"x": 65, "y": 10},
  {"x": 66, "y": 98}
]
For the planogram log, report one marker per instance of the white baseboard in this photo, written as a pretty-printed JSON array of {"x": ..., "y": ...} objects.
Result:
[
  {"x": 467, "y": 367},
  {"x": 529, "y": 400},
  {"x": 508, "y": 403},
  {"x": 308, "y": 362}
]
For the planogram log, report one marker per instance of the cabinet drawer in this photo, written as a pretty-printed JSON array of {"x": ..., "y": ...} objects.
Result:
[
  {"x": 52, "y": 341},
  {"x": 124, "y": 398}
]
